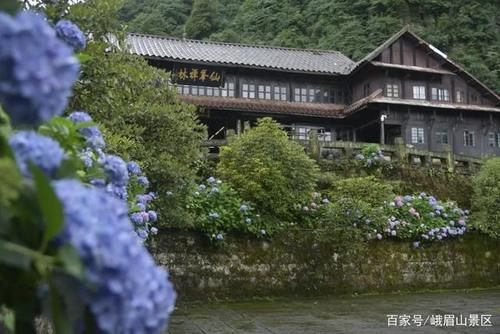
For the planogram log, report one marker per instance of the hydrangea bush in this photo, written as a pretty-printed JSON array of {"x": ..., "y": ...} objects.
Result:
[
  {"x": 371, "y": 157},
  {"x": 422, "y": 218},
  {"x": 217, "y": 209},
  {"x": 72, "y": 231}
]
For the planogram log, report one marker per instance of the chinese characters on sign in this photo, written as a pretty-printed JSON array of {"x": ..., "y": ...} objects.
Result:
[
  {"x": 199, "y": 75},
  {"x": 439, "y": 320}
]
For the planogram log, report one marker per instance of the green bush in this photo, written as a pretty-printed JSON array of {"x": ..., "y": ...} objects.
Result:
[
  {"x": 368, "y": 189},
  {"x": 486, "y": 198},
  {"x": 217, "y": 210},
  {"x": 347, "y": 222},
  {"x": 270, "y": 170}
]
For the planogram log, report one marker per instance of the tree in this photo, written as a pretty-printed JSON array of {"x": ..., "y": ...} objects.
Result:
[
  {"x": 202, "y": 21},
  {"x": 142, "y": 117},
  {"x": 269, "y": 169}
]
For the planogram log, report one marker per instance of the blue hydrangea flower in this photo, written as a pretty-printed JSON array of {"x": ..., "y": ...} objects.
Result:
[
  {"x": 143, "y": 181},
  {"x": 141, "y": 206},
  {"x": 71, "y": 34},
  {"x": 136, "y": 218},
  {"x": 153, "y": 216},
  {"x": 243, "y": 207},
  {"x": 202, "y": 187},
  {"x": 144, "y": 199},
  {"x": 38, "y": 69},
  {"x": 119, "y": 192},
  {"x": 79, "y": 117},
  {"x": 124, "y": 289},
  {"x": 219, "y": 237},
  {"x": 99, "y": 183},
  {"x": 211, "y": 179},
  {"x": 92, "y": 134},
  {"x": 43, "y": 152},
  {"x": 133, "y": 168},
  {"x": 116, "y": 170},
  {"x": 248, "y": 220},
  {"x": 154, "y": 230}
]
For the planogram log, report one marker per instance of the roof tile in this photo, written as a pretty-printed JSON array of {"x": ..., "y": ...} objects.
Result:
[{"x": 300, "y": 60}]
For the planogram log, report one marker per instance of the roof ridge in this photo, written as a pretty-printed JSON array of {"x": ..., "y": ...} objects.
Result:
[{"x": 262, "y": 46}]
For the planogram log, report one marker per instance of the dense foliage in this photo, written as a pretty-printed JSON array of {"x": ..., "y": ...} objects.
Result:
[
  {"x": 486, "y": 198},
  {"x": 138, "y": 110},
  {"x": 269, "y": 170},
  {"x": 466, "y": 30},
  {"x": 217, "y": 210},
  {"x": 367, "y": 189}
]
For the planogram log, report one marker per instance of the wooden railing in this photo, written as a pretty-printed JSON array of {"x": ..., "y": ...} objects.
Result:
[{"x": 397, "y": 152}]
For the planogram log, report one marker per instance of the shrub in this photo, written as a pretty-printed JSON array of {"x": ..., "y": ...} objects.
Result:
[
  {"x": 268, "y": 169},
  {"x": 422, "y": 218},
  {"x": 486, "y": 198},
  {"x": 347, "y": 222},
  {"x": 368, "y": 189},
  {"x": 217, "y": 209}
]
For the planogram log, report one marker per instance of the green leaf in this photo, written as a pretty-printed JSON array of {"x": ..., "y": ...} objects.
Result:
[
  {"x": 11, "y": 257},
  {"x": 71, "y": 262},
  {"x": 50, "y": 206},
  {"x": 84, "y": 57}
]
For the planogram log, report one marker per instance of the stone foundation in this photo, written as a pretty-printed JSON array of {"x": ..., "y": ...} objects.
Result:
[{"x": 292, "y": 264}]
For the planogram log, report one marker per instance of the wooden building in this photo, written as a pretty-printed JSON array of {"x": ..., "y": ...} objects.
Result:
[{"x": 404, "y": 88}]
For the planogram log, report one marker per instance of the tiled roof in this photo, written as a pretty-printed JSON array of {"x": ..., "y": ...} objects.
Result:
[
  {"x": 267, "y": 106},
  {"x": 256, "y": 56}
]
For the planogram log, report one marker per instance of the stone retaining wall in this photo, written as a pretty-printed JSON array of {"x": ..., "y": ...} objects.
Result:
[{"x": 294, "y": 265}]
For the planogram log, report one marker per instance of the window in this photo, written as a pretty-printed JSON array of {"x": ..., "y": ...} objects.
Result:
[
  {"x": 494, "y": 139},
  {"x": 228, "y": 90},
  {"x": 248, "y": 91},
  {"x": 419, "y": 92},
  {"x": 280, "y": 93},
  {"x": 417, "y": 135},
  {"x": 264, "y": 92},
  {"x": 460, "y": 98},
  {"x": 302, "y": 133},
  {"x": 440, "y": 94},
  {"x": 442, "y": 136},
  {"x": 392, "y": 90},
  {"x": 300, "y": 95},
  {"x": 469, "y": 138},
  {"x": 366, "y": 89},
  {"x": 314, "y": 95}
]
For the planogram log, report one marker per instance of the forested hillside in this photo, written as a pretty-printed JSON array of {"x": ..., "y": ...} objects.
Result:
[{"x": 467, "y": 30}]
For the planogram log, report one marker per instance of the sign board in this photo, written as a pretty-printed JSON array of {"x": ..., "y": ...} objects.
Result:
[{"x": 199, "y": 75}]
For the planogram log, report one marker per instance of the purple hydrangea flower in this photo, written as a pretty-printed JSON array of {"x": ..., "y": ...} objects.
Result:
[
  {"x": 31, "y": 147},
  {"x": 71, "y": 34},
  {"x": 38, "y": 69},
  {"x": 133, "y": 168},
  {"x": 116, "y": 170},
  {"x": 119, "y": 192},
  {"x": 124, "y": 289}
]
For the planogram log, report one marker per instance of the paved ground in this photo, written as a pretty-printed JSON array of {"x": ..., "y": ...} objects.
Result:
[{"x": 360, "y": 315}]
